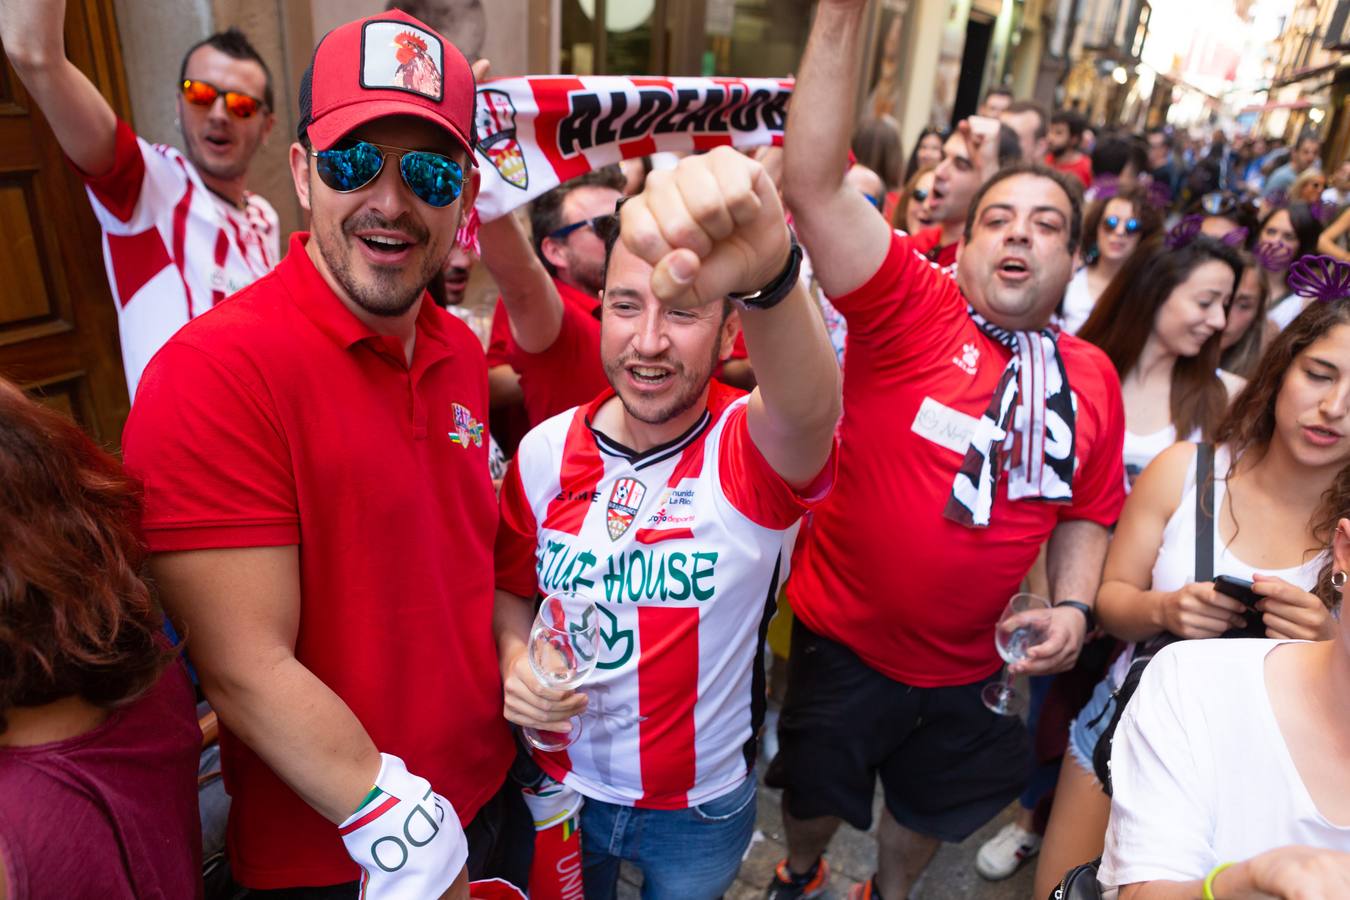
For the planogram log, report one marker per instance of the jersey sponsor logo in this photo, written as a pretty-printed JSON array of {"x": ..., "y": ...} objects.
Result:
[
  {"x": 496, "y": 124},
  {"x": 969, "y": 360},
  {"x": 624, "y": 502},
  {"x": 664, "y": 516},
  {"x": 944, "y": 426},
  {"x": 467, "y": 428}
]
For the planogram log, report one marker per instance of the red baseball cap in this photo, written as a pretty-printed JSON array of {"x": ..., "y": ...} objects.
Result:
[{"x": 389, "y": 64}]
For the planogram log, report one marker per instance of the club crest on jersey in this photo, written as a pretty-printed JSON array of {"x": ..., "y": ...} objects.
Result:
[
  {"x": 624, "y": 502},
  {"x": 467, "y": 428}
]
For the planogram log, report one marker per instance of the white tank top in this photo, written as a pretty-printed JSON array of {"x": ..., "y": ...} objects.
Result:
[
  {"x": 1175, "y": 565},
  {"x": 1140, "y": 449}
]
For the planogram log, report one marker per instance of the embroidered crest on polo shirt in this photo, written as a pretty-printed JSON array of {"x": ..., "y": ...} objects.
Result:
[
  {"x": 495, "y": 122},
  {"x": 402, "y": 57},
  {"x": 467, "y": 428},
  {"x": 969, "y": 360},
  {"x": 624, "y": 502}
]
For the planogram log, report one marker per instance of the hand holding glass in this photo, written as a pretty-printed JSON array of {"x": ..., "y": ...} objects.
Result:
[
  {"x": 562, "y": 652},
  {"x": 1025, "y": 622}
]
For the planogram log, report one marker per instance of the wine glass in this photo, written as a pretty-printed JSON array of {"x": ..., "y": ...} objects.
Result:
[
  {"x": 1025, "y": 622},
  {"x": 562, "y": 652}
]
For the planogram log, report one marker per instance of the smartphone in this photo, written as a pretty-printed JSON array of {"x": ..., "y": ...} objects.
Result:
[{"x": 1240, "y": 589}]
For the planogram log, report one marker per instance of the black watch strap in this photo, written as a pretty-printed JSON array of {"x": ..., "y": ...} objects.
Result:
[
  {"x": 773, "y": 293},
  {"x": 1082, "y": 608}
]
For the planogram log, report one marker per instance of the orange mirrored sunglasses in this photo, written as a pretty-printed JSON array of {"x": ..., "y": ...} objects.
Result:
[{"x": 204, "y": 93}]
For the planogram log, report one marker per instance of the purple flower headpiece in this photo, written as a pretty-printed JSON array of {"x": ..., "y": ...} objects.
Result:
[
  {"x": 1236, "y": 238},
  {"x": 1276, "y": 200},
  {"x": 1321, "y": 278},
  {"x": 1273, "y": 256},
  {"x": 1322, "y": 212},
  {"x": 1184, "y": 231},
  {"x": 1104, "y": 187},
  {"x": 1159, "y": 195}
]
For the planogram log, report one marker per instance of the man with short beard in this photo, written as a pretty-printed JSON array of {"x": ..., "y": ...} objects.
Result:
[
  {"x": 955, "y": 182},
  {"x": 972, "y": 434},
  {"x": 319, "y": 508},
  {"x": 546, "y": 328},
  {"x": 671, "y": 500},
  {"x": 180, "y": 231}
]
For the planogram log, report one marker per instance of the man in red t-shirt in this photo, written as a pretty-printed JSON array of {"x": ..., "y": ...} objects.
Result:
[
  {"x": 319, "y": 508},
  {"x": 972, "y": 434},
  {"x": 1065, "y": 140},
  {"x": 954, "y": 183}
]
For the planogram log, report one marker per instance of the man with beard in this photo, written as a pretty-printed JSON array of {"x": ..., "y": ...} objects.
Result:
[
  {"x": 546, "y": 328},
  {"x": 972, "y": 433},
  {"x": 955, "y": 181},
  {"x": 671, "y": 500},
  {"x": 180, "y": 231},
  {"x": 1065, "y": 140},
  {"x": 320, "y": 513}
]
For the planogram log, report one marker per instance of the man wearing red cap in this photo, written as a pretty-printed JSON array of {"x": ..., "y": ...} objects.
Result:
[{"x": 319, "y": 506}]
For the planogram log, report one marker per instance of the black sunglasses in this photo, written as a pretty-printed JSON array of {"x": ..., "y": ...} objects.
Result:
[
  {"x": 348, "y": 166},
  {"x": 918, "y": 195},
  {"x": 593, "y": 223},
  {"x": 1113, "y": 222}
]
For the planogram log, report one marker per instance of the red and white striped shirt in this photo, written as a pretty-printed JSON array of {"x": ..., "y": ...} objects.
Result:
[
  {"x": 172, "y": 248},
  {"x": 683, "y": 548}
]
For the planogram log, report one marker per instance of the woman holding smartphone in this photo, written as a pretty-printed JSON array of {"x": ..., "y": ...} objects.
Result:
[{"x": 1281, "y": 478}]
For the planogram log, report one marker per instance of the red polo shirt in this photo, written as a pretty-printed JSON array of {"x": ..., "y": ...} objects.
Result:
[
  {"x": 1080, "y": 168},
  {"x": 279, "y": 418},
  {"x": 928, "y": 241}
]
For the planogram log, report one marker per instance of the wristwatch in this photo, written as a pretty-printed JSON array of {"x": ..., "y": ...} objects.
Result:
[
  {"x": 773, "y": 293},
  {"x": 1082, "y": 608}
]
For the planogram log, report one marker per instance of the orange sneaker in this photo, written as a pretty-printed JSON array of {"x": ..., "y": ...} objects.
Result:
[{"x": 787, "y": 886}]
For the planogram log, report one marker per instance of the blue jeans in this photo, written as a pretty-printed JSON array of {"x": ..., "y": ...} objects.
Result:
[{"x": 684, "y": 854}]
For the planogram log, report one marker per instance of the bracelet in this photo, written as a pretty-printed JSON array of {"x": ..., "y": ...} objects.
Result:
[
  {"x": 773, "y": 293},
  {"x": 1209, "y": 880},
  {"x": 1082, "y": 608}
]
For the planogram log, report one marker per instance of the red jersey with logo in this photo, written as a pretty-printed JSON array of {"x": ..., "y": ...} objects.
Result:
[
  {"x": 683, "y": 548},
  {"x": 172, "y": 248},
  {"x": 879, "y": 568},
  {"x": 301, "y": 426},
  {"x": 1080, "y": 168}
]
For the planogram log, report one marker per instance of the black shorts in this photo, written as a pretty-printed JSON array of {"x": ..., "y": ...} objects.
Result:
[{"x": 948, "y": 765}]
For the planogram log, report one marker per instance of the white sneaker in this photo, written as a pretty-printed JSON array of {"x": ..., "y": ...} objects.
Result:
[{"x": 1005, "y": 852}]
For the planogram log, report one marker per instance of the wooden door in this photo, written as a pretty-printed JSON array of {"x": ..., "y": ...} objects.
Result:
[{"x": 58, "y": 324}]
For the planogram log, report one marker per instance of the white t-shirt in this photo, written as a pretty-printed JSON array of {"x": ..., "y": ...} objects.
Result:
[
  {"x": 1286, "y": 310},
  {"x": 683, "y": 548},
  {"x": 172, "y": 248},
  {"x": 1200, "y": 771},
  {"x": 1078, "y": 302}
]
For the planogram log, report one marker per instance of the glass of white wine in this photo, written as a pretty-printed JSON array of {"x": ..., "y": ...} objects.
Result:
[
  {"x": 562, "y": 653},
  {"x": 1024, "y": 623}
]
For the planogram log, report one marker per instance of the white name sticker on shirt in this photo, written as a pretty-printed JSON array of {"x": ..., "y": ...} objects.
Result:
[{"x": 944, "y": 426}]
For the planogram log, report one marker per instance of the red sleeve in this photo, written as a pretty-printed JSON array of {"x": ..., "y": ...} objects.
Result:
[
  {"x": 212, "y": 455},
  {"x": 565, "y": 375},
  {"x": 906, "y": 294},
  {"x": 499, "y": 343},
  {"x": 517, "y": 538},
  {"x": 738, "y": 350},
  {"x": 120, "y": 189},
  {"x": 755, "y": 488},
  {"x": 1099, "y": 482}
]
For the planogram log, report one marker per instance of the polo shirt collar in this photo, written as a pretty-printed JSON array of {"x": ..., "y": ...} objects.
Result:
[
  {"x": 316, "y": 300},
  {"x": 576, "y": 297}
]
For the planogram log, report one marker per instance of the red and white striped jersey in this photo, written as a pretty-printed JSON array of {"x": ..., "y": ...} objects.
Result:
[
  {"x": 172, "y": 248},
  {"x": 683, "y": 548}
]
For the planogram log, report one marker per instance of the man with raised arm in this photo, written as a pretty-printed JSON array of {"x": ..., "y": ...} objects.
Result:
[
  {"x": 971, "y": 434},
  {"x": 180, "y": 231},
  {"x": 319, "y": 509},
  {"x": 670, "y": 500}
]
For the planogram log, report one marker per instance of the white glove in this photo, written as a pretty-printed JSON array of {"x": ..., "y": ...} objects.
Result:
[{"x": 405, "y": 837}]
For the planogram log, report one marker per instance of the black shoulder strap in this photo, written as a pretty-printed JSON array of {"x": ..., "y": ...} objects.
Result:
[{"x": 1204, "y": 512}]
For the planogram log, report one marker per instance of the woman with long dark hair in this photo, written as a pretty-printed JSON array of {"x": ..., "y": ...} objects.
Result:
[
  {"x": 1112, "y": 230},
  {"x": 1244, "y": 333},
  {"x": 1285, "y": 235},
  {"x": 99, "y": 741},
  {"x": 927, "y": 152},
  {"x": 1160, "y": 322},
  {"x": 1281, "y": 477}
]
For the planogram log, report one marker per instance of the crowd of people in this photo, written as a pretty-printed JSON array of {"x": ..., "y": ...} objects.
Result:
[{"x": 799, "y": 421}]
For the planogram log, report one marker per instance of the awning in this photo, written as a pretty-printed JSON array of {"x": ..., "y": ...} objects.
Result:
[{"x": 1288, "y": 104}]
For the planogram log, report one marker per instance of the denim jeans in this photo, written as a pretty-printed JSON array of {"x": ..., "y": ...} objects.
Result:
[{"x": 684, "y": 854}]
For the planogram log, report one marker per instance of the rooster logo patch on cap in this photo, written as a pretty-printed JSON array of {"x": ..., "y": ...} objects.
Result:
[{"x": 402, "y": 57}]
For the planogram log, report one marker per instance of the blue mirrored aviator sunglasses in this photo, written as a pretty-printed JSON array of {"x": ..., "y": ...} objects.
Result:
[
  {"x": 1113, "y": 222},
  {"x": 348, "y": 166}
]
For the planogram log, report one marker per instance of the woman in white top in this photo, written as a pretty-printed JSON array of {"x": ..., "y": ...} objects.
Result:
[
  {"x": 1285, "y": 235},
  {"x": 1160, "y": 322},
  {"x": 1113, "y": 229},
  {"x": 1243, "y": 335},
  {"x": 1282, "y": 475}
]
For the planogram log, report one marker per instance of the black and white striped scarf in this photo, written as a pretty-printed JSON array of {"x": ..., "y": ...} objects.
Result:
[{"x": 1030, "y": 415}]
